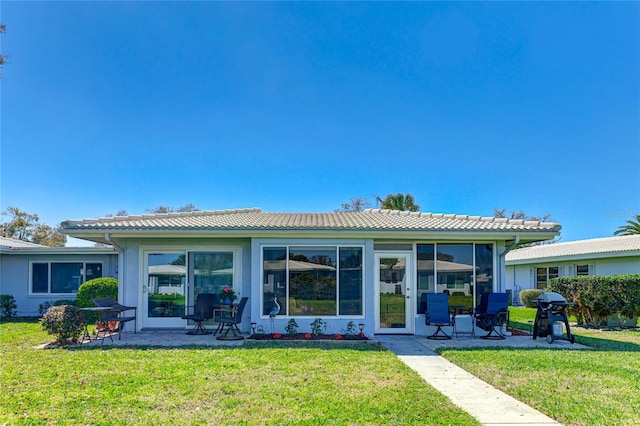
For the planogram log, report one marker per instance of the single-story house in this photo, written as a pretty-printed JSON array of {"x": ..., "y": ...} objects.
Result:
[
  {"x": 532, "y": 267},
  {"x": 368, "y": 267},
  {"x": 35, "y": 274}
]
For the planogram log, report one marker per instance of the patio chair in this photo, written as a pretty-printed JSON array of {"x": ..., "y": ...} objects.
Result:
[
  {"x": 492, "y": 314},
  {"x": 438, "y": 315},
  {"x": 200, "y": 312},
  {"x": 110, "y": 302},
  {"x": 229, "y": 318}
]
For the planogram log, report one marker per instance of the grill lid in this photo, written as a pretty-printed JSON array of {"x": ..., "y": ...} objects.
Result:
[{"x": 551, "y": 297}]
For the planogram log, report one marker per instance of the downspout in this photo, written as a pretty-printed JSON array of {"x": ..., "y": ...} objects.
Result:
[
  {"x": 121, "y": 274},
  {"x": 502, "y": 262}
]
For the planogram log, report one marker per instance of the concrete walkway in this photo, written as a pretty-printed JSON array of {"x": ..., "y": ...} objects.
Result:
[{"x": 488, "y": 405}]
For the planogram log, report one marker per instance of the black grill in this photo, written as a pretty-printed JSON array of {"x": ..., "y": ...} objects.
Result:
[{"x": 552, "y": 307}]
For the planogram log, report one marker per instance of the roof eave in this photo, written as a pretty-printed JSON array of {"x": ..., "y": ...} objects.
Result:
[{"x": 98, "y": 235}]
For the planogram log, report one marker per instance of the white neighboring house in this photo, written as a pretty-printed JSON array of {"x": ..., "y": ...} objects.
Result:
[
  {"x": 533, "y": 267},
  {"x": 35, "y": 274}
]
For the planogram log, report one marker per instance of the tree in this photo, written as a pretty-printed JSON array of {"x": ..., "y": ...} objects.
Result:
[
  {"x": 3, "y": 58},
  {"x": 631, "y": 228},
  {"x": 502, "y": 213},
  {"x": 399, "y": 201},
  {"x": 520, "y": 215},
  {"x": 27, "y": 227},
  {"x": 166, "y": 209},
  {"x": 357, "y": 205}
]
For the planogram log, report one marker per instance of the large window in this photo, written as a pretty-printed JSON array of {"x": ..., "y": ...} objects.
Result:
[
  {"x": 313, "y": 281},
  {"x": 62, "y": 277},
  {"x": 460, "y": 270}
]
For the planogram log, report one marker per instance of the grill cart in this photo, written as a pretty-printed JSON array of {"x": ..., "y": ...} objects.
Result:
[{"x": 551, "y": 313}]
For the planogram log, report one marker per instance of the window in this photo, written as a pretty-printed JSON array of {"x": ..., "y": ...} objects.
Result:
[
  {"x": 456, "y": 269},
  {"x": 313, "y": 281},
  {"x": 544, "y": 274},
  {"x": 62, "y": 277},
  {"x": 582, "y": 270}
]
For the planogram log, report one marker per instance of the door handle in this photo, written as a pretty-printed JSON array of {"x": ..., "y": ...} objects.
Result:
[{"x": 144, "y": 288}]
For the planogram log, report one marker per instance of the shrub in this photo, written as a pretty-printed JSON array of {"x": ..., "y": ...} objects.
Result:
[
  {"x": 92, "y": 289},
  {"x": 8, "y": 306},
  {"x": 318, "y": 326},
  {"x": 66, "y": 322},
  {"x": 42, "y": 307},
  {"x": 598, "y": 297},
  {"x": 528, "y": 296},
  {"x": 292, "y": 327},
  {"x": 97, "y": 287}
]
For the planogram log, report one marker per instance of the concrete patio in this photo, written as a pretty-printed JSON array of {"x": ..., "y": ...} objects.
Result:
[{"x": 177, "y": 338}]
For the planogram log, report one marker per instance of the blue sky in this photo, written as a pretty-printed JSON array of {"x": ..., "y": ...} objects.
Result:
[{"x": 531, "y": 106}]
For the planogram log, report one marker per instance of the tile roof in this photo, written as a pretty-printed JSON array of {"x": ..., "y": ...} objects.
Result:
[
  {"x": 256, "y": 219},
  {"x": 629, "y": 244},
  {"x": 13, "y": 243}
]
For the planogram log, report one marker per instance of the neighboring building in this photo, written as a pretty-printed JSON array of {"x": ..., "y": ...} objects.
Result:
[
  {"x": 533, "y": 267},
  {"x": 35, "y": 274},
  {"x": 369, "y": 267}
]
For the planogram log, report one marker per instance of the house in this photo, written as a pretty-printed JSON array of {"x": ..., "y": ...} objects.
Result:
[
  {"x": 369, "y": 267},
  {"x": 35, "y": 274},
  {"x": 533, "y": 267}
]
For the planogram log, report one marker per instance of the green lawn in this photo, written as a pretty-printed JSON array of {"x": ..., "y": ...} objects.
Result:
[
  {"x": 595, "y": 387},
  {"x": 280, "y": 383},
  {"x": 259, "y": 383}
]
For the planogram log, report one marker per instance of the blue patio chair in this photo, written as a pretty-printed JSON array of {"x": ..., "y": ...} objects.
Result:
[
  {"x": 494, "y": 316},
  {"x": 438, "y": 315}
]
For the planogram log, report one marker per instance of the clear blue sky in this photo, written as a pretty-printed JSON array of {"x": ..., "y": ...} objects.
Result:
[{"x": 302, "y": 106}]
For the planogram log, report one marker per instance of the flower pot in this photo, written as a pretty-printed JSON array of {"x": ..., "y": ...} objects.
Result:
[{"x": 227, "y": 301}]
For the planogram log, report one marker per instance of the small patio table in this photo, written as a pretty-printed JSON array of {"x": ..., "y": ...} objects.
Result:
[{"x": 103, "y": 324}]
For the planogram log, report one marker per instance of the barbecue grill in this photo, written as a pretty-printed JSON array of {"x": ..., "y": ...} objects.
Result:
[{"x": 551, "y": 313}]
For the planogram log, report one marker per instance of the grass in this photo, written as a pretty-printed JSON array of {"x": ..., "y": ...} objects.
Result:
[
  {"x": 259, "y": 383},
  {"x": 594, "y": 387}
]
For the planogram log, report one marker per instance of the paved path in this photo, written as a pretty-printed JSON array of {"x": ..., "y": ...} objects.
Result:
[{"x": 487, "y": 404}]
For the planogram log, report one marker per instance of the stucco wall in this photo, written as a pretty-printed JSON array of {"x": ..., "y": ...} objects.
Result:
[{"x": 14, "y": 276}]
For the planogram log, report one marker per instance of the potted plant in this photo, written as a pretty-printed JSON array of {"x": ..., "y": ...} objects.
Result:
[{"x": 227, "y": 295}]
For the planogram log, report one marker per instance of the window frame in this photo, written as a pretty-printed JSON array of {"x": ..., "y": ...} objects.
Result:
[
  {"x": 285, "y": 303},
  {"x": 49, "y": 264}
]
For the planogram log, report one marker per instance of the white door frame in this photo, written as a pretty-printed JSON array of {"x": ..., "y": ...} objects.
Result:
[{"x": 408, "y": 292}]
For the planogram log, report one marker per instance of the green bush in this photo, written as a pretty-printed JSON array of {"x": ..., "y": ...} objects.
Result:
[
  {"x": 97, "y": 287},
  {"x": 92, "y": 289},
  {"x": 528, "y": 296},
  {"x": 42, "y": 307},
  {"x": 8, "y": 307},
  {"x": 66, "y": 322},
  {"x": 598, "y": 297}
]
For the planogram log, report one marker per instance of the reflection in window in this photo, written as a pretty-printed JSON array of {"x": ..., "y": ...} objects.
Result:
[
  {"x": 484, "y": 270},
  {"x": 426, "y": 275},
  {"x": 212, "y": 272},
  {"x": 350, "y": 281},
  {"x": 454, "y": 272},
  {"x": 62, "y": 277},
  {"x": 165, "y": 288},
  {"x": 313, "y": 281},
  {"x": 274, "y": 279}
]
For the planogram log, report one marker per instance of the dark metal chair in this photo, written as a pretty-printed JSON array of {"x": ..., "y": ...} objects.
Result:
[
  {"x": 229, "y": 318},
  {"x": 118, "y": 309},
  {"x": 492, "y": 314},
  {"x": 438, "y": 315},
  {"x": 200, "y": 312}
]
